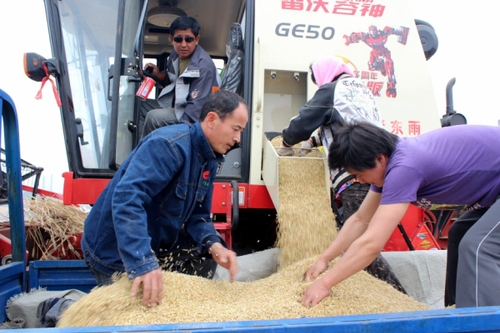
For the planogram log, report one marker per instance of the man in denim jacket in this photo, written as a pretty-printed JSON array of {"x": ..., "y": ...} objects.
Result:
[{"x": 158, "y": 203}]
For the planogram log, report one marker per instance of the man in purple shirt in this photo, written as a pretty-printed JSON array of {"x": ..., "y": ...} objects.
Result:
[{"x": 458, "y": 165}]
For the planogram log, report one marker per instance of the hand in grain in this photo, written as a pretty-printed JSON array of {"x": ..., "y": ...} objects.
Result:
[
  {"x": 152, "y": 287},
  {"x": 315, "y": 293},
  {"x": 225, "y": 258},
  {"x": 315, "y": 270}
]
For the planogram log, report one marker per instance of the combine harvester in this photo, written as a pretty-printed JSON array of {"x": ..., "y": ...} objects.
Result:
[{"x": 263, "y": 48}]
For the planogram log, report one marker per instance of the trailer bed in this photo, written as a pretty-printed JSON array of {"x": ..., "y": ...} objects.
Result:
[{"x": 485, "y": 319}]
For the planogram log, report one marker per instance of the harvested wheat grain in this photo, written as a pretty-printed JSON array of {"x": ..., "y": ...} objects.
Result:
[
  {"x": 306, "y": 224},
  {"x": 195, "y": 299}
]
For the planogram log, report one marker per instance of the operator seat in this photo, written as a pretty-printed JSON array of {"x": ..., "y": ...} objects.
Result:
[{"x": 232, "y": 76}]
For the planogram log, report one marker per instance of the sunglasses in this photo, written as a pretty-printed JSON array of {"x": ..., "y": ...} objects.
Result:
[{"x": 188, "y": 39}]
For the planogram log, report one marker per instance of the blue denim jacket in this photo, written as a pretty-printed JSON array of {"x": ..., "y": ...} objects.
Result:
[{"x": 165, "y": 184}]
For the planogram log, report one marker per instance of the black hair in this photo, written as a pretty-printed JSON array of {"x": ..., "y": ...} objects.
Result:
[
  {"x": 312, "y": 73},
  {"x": 356, "y": 147},
  {"x": 185, "y": 23},
  {"x": 222, "y": 102}
]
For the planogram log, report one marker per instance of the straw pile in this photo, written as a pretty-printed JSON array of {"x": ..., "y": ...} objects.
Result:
[
  {"x": 306, "y": 224},
  {"x": 194, "y": 299},
  {"x": 52, "y": 226}
]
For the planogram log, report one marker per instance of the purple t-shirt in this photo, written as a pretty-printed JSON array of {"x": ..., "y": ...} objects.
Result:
[{"x": 457, "y": 165}]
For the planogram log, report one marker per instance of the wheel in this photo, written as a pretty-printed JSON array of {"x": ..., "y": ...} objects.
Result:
[{"x": 7, "y": 259}]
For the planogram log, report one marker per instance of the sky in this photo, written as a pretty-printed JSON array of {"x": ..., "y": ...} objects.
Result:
[{"x": 466, "y": 52}]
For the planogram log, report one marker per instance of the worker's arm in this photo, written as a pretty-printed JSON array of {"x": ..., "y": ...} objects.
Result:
[
  {"x": 225, "y": 258},
  {"x": 158, "y": 75},
  {"x": 152, "y": 287},
  {"x": 144, "y": 179},
  {"x": 353, "y": 228},
  {"x": 360, "y": 254},
  {"x": 317, "y": 111},
  {"x": 155, "y": 162},
  {"x": 152, "y": 70}
]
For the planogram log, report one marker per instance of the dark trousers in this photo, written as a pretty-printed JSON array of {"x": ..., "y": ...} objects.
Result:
[
  {"x": 473, "y": 262},
  {"x": 153, "y": 116},
  {"x": 455, "y": 235}
]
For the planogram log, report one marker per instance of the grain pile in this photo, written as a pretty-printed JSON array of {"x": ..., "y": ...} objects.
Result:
[
  {"x": 306, "y": 224},
  {"x": 194, "y": 299},
  {"x": 306, "y": 228}
]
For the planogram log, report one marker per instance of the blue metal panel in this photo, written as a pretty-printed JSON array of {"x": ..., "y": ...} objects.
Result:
[
  {"x": 12, "y": 276},
  {"x": 14, "y": 182},
  {"x": 11, "y": 282},
  {"x": 486, "y": 319},
  {"x": 61, "y": 275}
]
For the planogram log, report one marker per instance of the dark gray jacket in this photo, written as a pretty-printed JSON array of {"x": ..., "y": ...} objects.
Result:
[{"x": 191, "y": 88}]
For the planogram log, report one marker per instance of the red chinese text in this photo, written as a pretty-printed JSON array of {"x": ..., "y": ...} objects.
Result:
[
  {"x": 339, "y": 7},
  {"x": 398, "y": 127}
]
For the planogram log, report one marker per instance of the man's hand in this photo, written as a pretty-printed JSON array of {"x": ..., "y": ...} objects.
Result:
[
  {"x": 152, "y": 287},
  {"x": 315, "y": 270},
  {"x": 315, "y": 293},
  {"x": 225, "y": 258},
  {"x": 305, "y": 148},
  {"x": 152, "y": 71},
  {"x": 285, "y": 151}
]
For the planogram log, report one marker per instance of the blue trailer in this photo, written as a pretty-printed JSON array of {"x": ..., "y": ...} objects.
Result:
[{"x": 442, "y": 321}]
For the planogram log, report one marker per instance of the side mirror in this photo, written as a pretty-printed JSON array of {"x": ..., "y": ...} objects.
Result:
[
  {"x": 428, "y": 38},
  {"x": 37, "y": 67}
]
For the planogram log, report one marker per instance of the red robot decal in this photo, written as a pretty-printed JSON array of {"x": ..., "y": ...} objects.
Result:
[{"x": 380, "y": 56}]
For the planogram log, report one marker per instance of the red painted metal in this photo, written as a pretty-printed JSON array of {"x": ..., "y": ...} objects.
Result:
[
  {"x": 74, "y": 242},
  {"x": 6, "y": 246},
  {"x": 258, "y": 197},
  {"x": 43, "y": 193},
  {"x": 82, "y": 190},
  {"x": 222, "y": 211},
  {"x": 414, "y": 224}
]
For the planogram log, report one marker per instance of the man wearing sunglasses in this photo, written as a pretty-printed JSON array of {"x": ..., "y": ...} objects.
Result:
[{"x": 190, "y": 77}]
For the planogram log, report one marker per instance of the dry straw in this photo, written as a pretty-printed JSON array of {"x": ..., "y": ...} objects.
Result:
[{"x": 51, "y": 225}]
